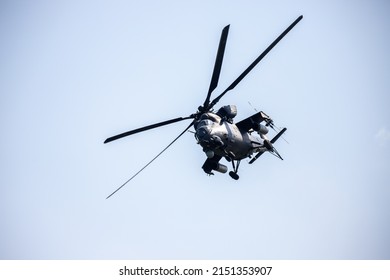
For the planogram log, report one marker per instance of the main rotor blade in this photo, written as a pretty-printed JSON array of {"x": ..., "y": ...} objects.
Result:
[
  {"x": 254, "y": 63},
  {"x": 217, "y": 65},
  {"x": 134, "y": 131},
  {"x": 184, "y": 131}
]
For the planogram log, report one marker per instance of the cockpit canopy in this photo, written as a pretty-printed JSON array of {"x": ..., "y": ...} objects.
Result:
[
  {"x": 207, "y": 119},
  {"x": 204, "y": 127},
  {"x": 205, "y": 122}
]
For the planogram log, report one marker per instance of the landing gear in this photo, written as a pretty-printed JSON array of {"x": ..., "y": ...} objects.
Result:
[{"x": 233, "y": 173}]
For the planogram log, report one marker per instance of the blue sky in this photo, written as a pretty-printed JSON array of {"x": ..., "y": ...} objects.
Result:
[{"x": 76, "y": 72}]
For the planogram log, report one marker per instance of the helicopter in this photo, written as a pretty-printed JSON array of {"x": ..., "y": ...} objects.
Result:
[{"x": 216, "y": 132}]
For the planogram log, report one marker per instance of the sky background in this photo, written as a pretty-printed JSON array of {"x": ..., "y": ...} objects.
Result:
[{"x": 73, "y": 73}]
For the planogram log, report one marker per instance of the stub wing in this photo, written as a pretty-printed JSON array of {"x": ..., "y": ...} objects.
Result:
[{"x": 250, "y": 123}]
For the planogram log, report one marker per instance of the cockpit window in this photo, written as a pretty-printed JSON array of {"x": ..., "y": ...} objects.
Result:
[
  {"x": 208, "y": 116},
  {"x": 205, "y": 122}
]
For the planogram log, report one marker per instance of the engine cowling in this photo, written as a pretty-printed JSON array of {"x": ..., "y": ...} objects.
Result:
[{"x": 228, "y": 111}]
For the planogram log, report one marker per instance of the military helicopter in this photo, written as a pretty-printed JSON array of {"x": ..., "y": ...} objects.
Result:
[{"x": 216, "y": 132}]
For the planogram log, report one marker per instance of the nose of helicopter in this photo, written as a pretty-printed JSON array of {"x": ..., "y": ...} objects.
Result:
[
  {"x": 203, "y": 133},
  {"x": 207, "y": 139}
]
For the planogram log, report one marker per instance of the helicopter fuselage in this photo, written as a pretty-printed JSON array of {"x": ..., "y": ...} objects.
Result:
[{"x": 218, "y": 135}]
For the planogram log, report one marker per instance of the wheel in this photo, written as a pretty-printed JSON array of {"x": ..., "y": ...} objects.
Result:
[{"x": 234, "y": 175}]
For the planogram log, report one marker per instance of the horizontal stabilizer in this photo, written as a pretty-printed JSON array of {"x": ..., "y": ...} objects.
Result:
[
  {"x": 278, "y": 135},
  {"x": 272, "y": 150},
  {"x": 255, "y": 157}
]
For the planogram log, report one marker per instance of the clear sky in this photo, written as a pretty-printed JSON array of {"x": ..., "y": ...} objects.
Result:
[{"x": 73, "y": 73}]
